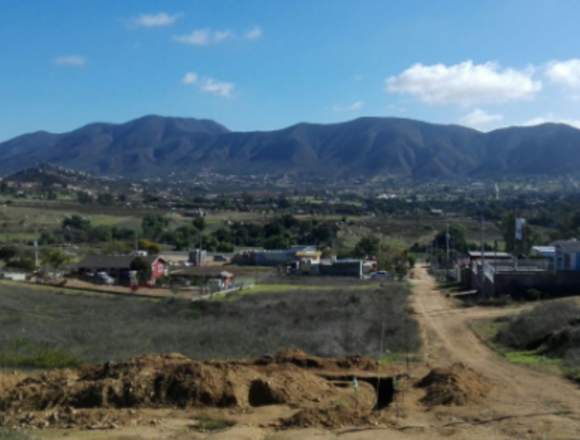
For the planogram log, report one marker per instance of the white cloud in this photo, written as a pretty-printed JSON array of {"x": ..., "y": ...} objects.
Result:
[
  {"x": 189, "y": 78},
  {"x": 565, "y": 73},
  {"x": 480, "y": 119},
  {"x": 160, "y": 19},
  {"x": 254, "y": 33},
  {"x": 465, "y": 83},
  {"x": 70, "y": 61},
  {"x": 203, "y": 37},
  {"x": 353, "y": 107},
  {"x": 209, "y": 85},
  {"x": 216, "y": 87},
  {"x": 550, "y": 118}
]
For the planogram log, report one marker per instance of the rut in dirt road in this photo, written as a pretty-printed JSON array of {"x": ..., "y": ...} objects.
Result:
[{"x": 517, "y": 389}]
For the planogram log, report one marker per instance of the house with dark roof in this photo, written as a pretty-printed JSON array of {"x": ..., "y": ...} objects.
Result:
[{"x": 120, "y": 266}]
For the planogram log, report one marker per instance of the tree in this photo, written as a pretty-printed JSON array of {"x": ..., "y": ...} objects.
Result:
[
  {"x": 54, "y": 258},
  {"x": 199, "y": 223},
  {"x": 457, "y": 240},
  {"x": 8, "y": 252},
  {"x": 105, "y": 199},
  {"x": 277, "y": 242},
  {"x": 75, "y": 221},
  {"x": 153, "y": 225},
  {"x": 100, "y": 233},
  {"x": 394, "y": 257},
  {"x": 149, "y": 246},
  {"x": 508, "y": 228},
  {"x": 367, "y": 247},
  {"x": 142, "y": 267},
  {"x": 84, "y": 198}
]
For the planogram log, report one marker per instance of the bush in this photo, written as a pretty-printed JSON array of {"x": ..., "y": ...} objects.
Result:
[
  {"x": 329, "y": 322},
  {"x": 529, "y": 330},
  {"x": 533, "y": 295},
  {"x": 22, "y": 353}
]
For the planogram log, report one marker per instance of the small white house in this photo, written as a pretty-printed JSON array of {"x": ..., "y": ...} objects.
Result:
[{"x": 14, "y": 276}]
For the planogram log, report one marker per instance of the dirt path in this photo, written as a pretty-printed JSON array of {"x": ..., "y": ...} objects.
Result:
[{"x": 540, "y": 401}]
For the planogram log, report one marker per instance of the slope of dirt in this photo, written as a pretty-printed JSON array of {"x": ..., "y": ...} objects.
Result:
[
  {"x": 173, "y": 380},
  {"x": 456, "y": 385}
]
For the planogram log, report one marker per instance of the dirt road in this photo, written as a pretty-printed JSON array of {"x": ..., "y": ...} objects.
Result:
[{"x": 545, "y": 405}]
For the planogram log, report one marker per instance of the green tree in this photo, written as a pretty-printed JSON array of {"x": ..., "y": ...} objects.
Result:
[
  {"x": 367, "y": 247},
  {"x": 142, "y": 267},
  {"x": 54, "y": 258},
  {"x": 84, "y": 198},
  {"x": 457, "y": 240},
  {"x": 76, "y": 221},
  {"x": 199, "y": 223},
  {"x": 105, "y": 199},
  {"x": 8, "y": 252},
  {"x": 153, "y": 225},
  {"x": 149, "y": 246},
  {"x": 508, "y": 228}
]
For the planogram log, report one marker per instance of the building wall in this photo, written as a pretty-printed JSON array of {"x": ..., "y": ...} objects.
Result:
[
  {"x": 349, "y": 269},
  {"x": 550, "y": 283}
]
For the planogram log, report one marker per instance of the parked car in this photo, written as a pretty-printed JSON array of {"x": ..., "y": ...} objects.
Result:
[
  {"x": 103, "y": 278},
  {"x": 380, "y": 274}
]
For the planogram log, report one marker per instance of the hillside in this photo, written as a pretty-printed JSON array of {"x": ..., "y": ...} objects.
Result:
[{"x": 365, "y": 147}]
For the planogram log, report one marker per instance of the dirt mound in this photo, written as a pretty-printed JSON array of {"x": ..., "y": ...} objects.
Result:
[
  {"x": 353, "y": 408},
  {"x": 166, "y": 381},
  {"x": 303, "y": 360},
  {"x": 456, "y": 385}
]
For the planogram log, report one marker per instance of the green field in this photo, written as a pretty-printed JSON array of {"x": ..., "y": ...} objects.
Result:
[{"x": 46, "y": 328}]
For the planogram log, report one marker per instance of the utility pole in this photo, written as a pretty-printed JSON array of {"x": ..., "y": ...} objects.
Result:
[
  {"x": 447, "y": 245},
  {"x": 36, "y": 259},
  {"x": 482, "y": 259}
]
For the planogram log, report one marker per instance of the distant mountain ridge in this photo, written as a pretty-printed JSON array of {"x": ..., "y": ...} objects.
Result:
[{"x": 364, "y": 147}]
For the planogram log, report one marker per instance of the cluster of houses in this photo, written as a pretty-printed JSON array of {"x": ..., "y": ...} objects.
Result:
[
  {"x": 549, "y": 270},
  {"x": 201, "y": 268},
  {"x": 306, "y": 260}
]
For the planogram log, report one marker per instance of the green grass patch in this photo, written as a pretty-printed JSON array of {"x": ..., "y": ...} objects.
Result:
[
  {"x": 531, "y": 358},
  {"x": 287, "y": 288},
  {"x": 209, "y": 424},
  {"x": 487, "y": 330},
  {"x": 399, "y": 358},
  {"x": 22, "y": 353},
  {"x": 7, "y": 434}
]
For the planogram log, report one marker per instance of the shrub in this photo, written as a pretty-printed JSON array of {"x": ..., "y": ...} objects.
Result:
[
  {"x": 529, "y": 330},
  {"x": 27, "y": 354}
]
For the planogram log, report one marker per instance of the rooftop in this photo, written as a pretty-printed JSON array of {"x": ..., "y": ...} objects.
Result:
[{"x": 489, "y": 254}]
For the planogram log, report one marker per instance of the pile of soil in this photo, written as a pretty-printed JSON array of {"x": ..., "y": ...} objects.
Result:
[
  {"x": 354, "y": 409},
  {"x": 456, "y": 385},
  {"x": 173, "y": 380},
  {"x": 303, "y": 360}
]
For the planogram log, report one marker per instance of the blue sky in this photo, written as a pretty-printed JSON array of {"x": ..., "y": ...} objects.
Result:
[{"x": 268, "y": 64}]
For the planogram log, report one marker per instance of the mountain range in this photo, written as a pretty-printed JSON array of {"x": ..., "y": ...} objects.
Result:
[{"x": 364, "y": 147}]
